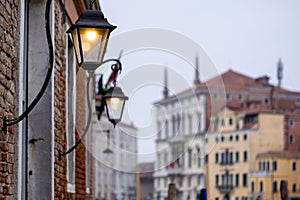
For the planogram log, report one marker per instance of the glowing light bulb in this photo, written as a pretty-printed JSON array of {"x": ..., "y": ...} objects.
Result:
[
  {"x": 91, "y": 35},
  {"x": 115, "y": 103}
]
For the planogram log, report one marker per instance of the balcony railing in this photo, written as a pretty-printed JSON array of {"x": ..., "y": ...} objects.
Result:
[
  {"x": 225, "y": 188},
  {"x": 226, "y": 162},
  {"x": 174, "y": 170},
  {"x": 260, "y": 173}
]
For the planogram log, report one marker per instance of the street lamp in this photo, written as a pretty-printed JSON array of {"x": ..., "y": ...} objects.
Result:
[
  {"x": 114, "y": 103},
  {"x": 90, "y": 34}
]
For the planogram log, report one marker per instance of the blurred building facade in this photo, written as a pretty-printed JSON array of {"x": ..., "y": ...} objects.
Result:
[
  {"x": 180, "y": 143},
  {"x": 115, "y": 154},
  {"x": 232, "y": 148},
  {"x": 262, "y": 117},
  {"x": 270, "y": 169}
]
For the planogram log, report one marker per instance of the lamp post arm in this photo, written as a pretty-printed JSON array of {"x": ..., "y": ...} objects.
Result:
[
  {"x": 10, "y": 122},
  {"x": 88, "y": 122},
  {"x": 115, "y": 69},
  {"x": 91, "y": 73}
]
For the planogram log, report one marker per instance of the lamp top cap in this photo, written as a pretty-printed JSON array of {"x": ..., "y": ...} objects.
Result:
[
  {"x": 115, "y": 92},
  {"x": 92, "y": 18}
]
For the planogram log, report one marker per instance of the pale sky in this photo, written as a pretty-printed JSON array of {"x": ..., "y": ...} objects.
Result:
[{"x": 248, "y": 36}]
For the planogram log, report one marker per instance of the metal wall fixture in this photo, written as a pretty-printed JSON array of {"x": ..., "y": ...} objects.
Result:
[
  {"x": 11, "y": 122},
  {"x": 90, "y": 35}
]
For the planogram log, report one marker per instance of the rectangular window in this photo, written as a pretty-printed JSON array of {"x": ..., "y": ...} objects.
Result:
[
  {"x": 294, "y": 188},
  {"x": 294, "y": 166},
  {"x": 199, "y": 157},
  {"x": 240, "y": 97},
  {"x": 230, "y": 121},
  {"x": 291, "y": 123},
  {"x": 227, "y": 156},
  {"x": 230, "y": 180},
  {"x": 70, "y": 113},
  {"x": 260, "y": 166},
  {"x": 166, "y": 159},
  {"x": 159, "y": 130},
  {"x": 245, "y": 180},
  {"x": 274, "y": 165},
  {"x": 237, "y": 156},
  {"x": 189, "y": 158},
  {"x": 199, "y": 180},
  {"x": 230, "y": 158},
  {"x": 206, "y": 159},
  {"x": 174, "y": 125},
  {"x": 252, "y": 186},
  {"x": 237, "y": 177},
  {"x": 245, "y": 156},
  {"x": 167, "y": 129},
  {"x": 275, "y": 186},
  {"x": 217, "y": 180},
  {"x": 223, "y": 179},
  {"x": 200, "y": 119},
  {"x": 189, "y": 181},
  {"x": 261, "y": 186},
  {"x": 222, "y": 122},
  {"x": 217, "y": 157},
  {"x": 158, "y": 160},
  {"x": 183, "y": 123},
  {"x": 178, "y": 123},
  {"x": 222, "y": 139},
  {"x": 291, "y": 139},
  {"x": 222, "y": 158},
  {"x": 228, "y": 96},
  {"x": 190, "y": 124},
  {"x": 166, "y": 182}
]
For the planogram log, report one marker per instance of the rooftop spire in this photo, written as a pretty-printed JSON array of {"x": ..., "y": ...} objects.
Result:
[
  {"x": 166, "y": 91},
  {"x": 197, "y": 79},
  {"x": 279, "y": 72}
]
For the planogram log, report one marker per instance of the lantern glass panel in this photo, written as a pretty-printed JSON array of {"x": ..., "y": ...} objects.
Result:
[
  {"x": 76, "y": 45},
  {"x": 115, "y": 108},
  {"x": 93, "y": 42}
]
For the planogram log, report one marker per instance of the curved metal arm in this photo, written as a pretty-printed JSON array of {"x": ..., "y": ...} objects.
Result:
[
  {"x": 10, "y": 122},
  {"x": 89, "y": 106},
  {"x": 88, "y": 120}
]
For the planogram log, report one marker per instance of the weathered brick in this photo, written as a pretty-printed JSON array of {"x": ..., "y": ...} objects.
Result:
[
  {"x": 3, "y": 146},
  {"x": 9, "y": 179}
]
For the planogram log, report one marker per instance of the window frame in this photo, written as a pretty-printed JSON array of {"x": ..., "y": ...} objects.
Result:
[
  {"x": 70, "y": 113},
  {"x": 245, "y": 180}
]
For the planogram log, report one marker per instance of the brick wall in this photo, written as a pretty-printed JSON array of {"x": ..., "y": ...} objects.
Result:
[
  {"x": 60, "y": 181},
  {"x": 9, "y": 46}
]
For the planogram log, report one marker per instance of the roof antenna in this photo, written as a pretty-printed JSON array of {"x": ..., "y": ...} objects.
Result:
[
  {"x": 197, "y": 79},
  {"x": 166, "y": 91},
  {"x": 279, "y": 72}
]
